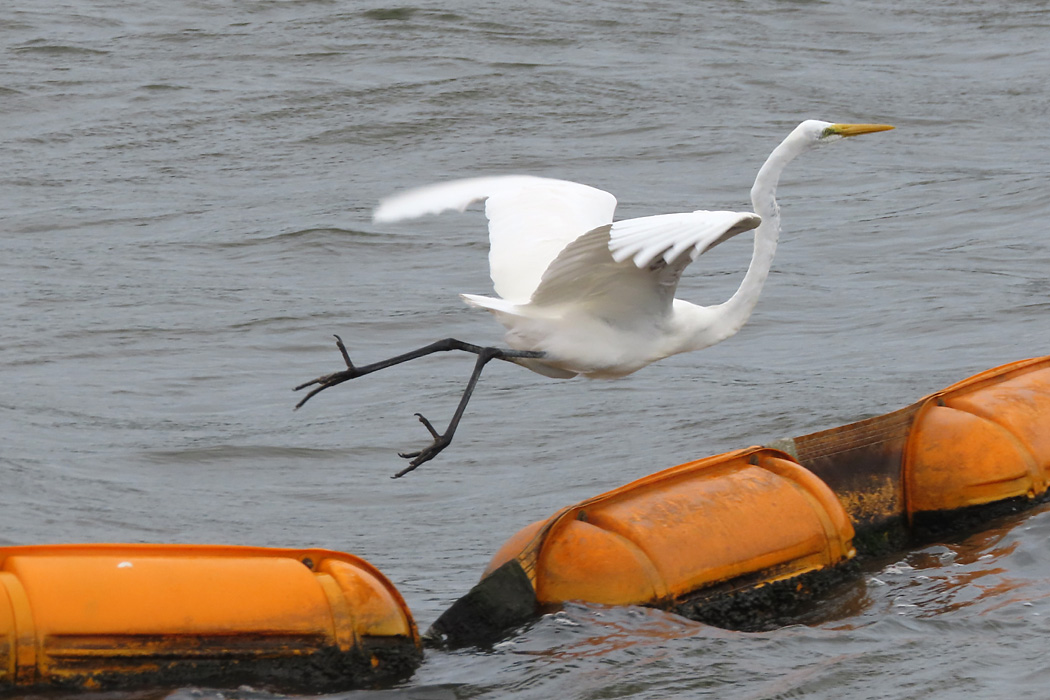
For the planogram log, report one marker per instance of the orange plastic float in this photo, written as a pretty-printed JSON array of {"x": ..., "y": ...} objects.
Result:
[
  {"x": 752, "y": 517},
  {"x": 100, "y": 616},
  {"x": 981, "y": 440}
]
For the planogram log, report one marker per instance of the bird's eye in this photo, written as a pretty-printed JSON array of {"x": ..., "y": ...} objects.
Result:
[{"x": 828, "y": 131}]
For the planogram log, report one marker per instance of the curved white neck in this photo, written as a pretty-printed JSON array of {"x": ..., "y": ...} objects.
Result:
[{"x": 735, "y": 312}]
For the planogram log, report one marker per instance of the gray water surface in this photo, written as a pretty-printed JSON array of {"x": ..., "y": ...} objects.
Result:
[{"x": 187, "y": 190}]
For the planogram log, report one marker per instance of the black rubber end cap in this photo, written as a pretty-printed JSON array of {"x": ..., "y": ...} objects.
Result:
[{"x": 499, "y": 602}]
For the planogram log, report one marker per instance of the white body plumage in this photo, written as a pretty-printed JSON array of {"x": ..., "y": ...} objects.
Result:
[{"x": 596, "y": 297}]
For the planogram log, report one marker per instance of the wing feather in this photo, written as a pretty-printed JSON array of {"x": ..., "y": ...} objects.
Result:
[
  {"x": 531, "y": 219},
  {"x": 637, "y": 262},
  {"x": 670, "y": 235},
  {"x": 434, "y": 199}
]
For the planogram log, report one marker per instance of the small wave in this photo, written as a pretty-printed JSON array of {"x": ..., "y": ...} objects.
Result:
[
  {"x": 384, "y": 14},
  {"x": 311, "y": 236},
  {"x": 401, "y": 14},
  {"x": 322, "y": 232},
  {"x": 164, "y": 86},
  {"x": 59, "y": 50},
  {"x": 225, "y": 453}
]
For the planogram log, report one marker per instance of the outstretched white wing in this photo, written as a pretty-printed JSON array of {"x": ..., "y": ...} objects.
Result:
[
  {"x": 616, "y": 269},
  {"x": 531, "y": 220}
]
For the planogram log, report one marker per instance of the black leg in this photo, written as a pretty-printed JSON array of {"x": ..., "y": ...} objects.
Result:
[{"x": 441, "y": 440}]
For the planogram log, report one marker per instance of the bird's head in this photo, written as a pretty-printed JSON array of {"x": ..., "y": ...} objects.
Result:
[{"x": 819, "y": 132}]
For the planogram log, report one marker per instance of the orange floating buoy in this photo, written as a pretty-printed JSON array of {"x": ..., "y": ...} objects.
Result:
[
  {"x": 127, "y": 615},
  {"x": 752, "y": 516},
  {"x": 981, "y": 440}
]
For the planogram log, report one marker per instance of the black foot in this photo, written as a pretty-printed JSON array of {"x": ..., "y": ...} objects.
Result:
[
  {"x": 427, "y": 453},
  {"x": 441, "y": 440},
  {"x": 330, "y": 380}
]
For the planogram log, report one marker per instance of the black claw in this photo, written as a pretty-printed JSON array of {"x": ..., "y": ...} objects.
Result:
[
  {"x": 306, "y": 384},
  {"x": 427, "y": 453},
  {"x": 426, "y": 424},
  {"x": 325, "y": 382},
  {"x": 345, "y": 354},
  {"x": 330, "y": 380}
]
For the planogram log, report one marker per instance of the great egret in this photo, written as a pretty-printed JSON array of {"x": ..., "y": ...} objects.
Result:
[{"x": 582, "y": 295}]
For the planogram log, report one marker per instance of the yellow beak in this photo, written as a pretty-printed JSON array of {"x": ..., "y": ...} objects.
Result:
[{"x": 857, "y": 129}]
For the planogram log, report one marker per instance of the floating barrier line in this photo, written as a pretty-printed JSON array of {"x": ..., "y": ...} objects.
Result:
[
  {"x": 774, "y": 524},
  {"x": 732, "y": 539}
]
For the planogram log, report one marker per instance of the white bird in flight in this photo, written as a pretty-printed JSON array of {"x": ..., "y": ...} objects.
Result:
[{"x": 580, "y": 294}]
